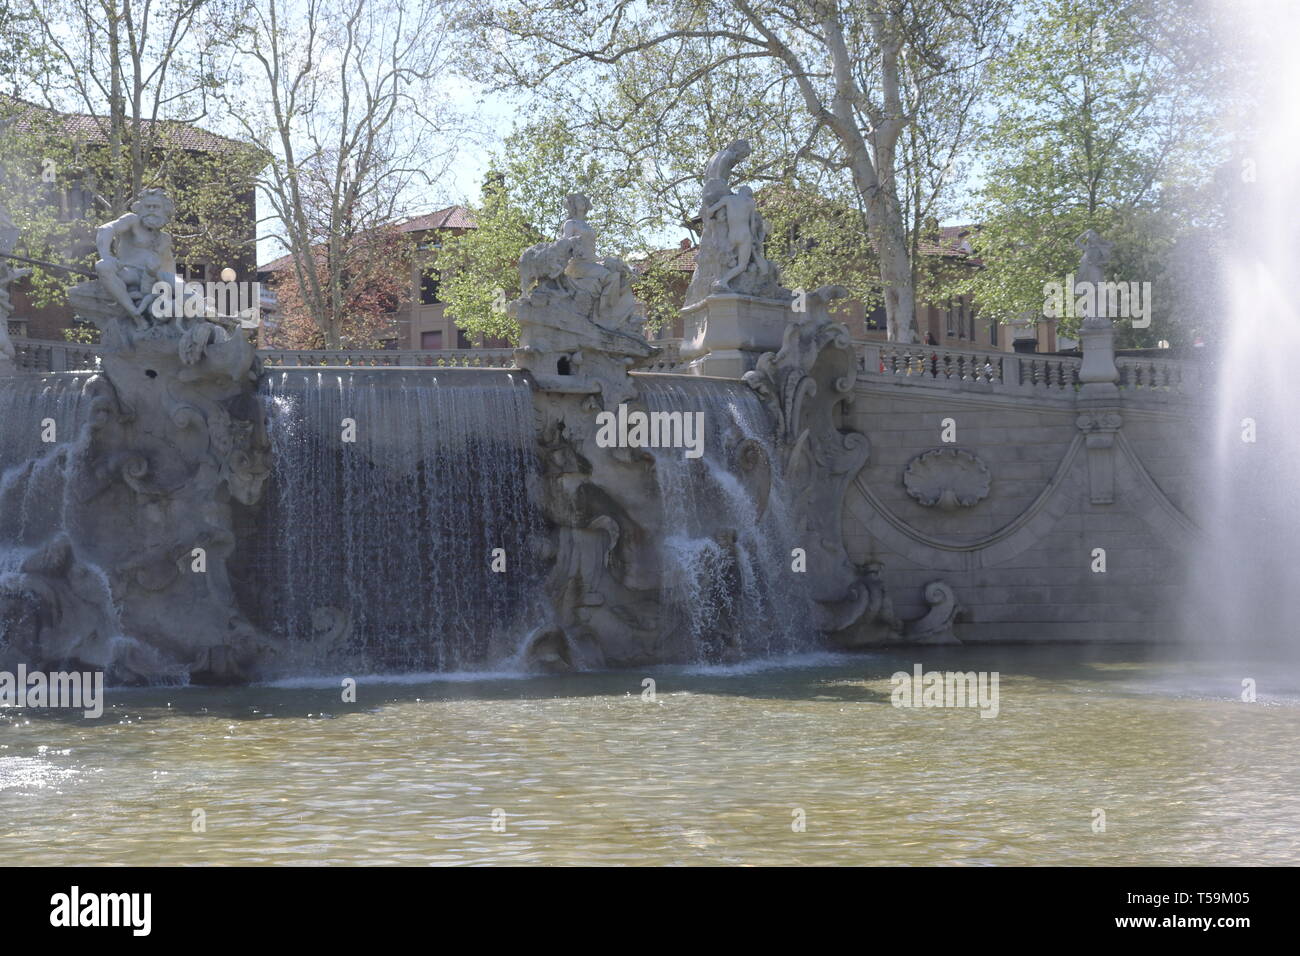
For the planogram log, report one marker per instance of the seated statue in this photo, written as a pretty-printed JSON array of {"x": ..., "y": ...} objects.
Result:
[
  {"x": 142, "y": 256},
  {"x": 602, "y": 288}
]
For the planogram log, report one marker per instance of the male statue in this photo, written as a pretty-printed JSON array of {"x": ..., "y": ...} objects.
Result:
[
  {"x": 745, "y": 232},
  {"x": 143, "y": 254}
]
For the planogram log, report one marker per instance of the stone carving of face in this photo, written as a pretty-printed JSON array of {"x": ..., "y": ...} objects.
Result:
[{"x": 154, "y": 211}]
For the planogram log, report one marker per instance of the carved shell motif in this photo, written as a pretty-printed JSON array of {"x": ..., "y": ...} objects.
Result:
[{"x": 947, "y": 478}]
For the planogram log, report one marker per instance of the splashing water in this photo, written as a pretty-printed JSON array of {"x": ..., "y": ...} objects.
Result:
[{"x": 726, "y": 555}]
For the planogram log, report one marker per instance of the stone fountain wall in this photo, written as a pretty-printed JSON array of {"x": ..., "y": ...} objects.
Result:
[{"x": 842, "y": 495}]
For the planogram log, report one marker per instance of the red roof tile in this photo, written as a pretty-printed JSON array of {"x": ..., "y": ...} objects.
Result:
[
  {"x": 453, "y": 217},
  {"x": 94, "y": 129}
]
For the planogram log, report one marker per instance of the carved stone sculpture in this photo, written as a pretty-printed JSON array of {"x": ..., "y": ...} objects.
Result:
[
  {"x": 731, "y": 257},
  {"x": 803, "y": 386},
  {"x": 947, "y": 478},
  {"x": 174, "y": 445},
  {"x": 578, "y": 320}
]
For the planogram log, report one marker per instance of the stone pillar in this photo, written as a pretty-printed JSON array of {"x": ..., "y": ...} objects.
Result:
[
  {"x": 725, "y": 333},
  {"x": 1099, "y": 417}
]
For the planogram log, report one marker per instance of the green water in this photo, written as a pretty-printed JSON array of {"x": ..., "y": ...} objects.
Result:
[{"x": 586, "y": 770}]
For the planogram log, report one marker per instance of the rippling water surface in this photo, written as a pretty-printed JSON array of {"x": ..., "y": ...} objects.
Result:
[{"x": 712, "y": 771}]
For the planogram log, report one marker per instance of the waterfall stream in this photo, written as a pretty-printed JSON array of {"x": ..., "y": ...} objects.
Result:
[
  {"x": 388, "y": 540},
  {"x": 727, "y": 551}
]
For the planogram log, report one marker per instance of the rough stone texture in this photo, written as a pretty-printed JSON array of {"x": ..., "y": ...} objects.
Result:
[{"x": 111, "y": 578}]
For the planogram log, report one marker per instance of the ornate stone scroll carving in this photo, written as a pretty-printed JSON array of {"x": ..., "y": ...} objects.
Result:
[
  {"x": 804, "y": 387},
  {"x": 947, "y": 478}
]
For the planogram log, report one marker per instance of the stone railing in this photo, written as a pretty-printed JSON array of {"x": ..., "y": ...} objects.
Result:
[
  {"x": 957, "y": 368},
  {"x": 390, "y": 358},
  {"x": 37, "y": 355},
  {"x": 1161, "y": 375},
  {"x": 937, "y": 365}
]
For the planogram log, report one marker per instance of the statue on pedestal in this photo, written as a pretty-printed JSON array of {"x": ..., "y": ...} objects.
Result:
[
  {"x": 579, "y": 325},
  {"x": 732, "y": 234},
  {"x": 129, "y": 573},
  {"x": 135, "y": 254},
  {"x": 1096, "y": 253}
]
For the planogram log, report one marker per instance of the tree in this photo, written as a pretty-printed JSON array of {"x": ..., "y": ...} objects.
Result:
[
  {"x": 376, "y": 280},
  {"x": 478, "y": 271},
  {"x": 342, "y": 97},
  {"x": 1104, "y": 122},
  {"x": 541, "y": 162},
  {"x": 852, "y": 68},
  {"x": 111, "y": 92}
]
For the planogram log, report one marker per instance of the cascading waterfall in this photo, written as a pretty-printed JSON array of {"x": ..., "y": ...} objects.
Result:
[
  {"x": 726, "y": 552},
  {"x": 389, "y": 540},
  {"x": 41, "y": 417}
]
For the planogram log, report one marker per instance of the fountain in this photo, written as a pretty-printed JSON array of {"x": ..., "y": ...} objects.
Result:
[
  {"x": 193, "y": 516},
  {"x": 1252, "y": 544}
]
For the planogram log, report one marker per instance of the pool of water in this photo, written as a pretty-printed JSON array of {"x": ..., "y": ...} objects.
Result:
[{"x": 803, "y": 761}]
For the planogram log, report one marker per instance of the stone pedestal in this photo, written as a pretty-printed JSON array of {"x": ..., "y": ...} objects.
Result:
[
  {"x": 724, "y": 334},
  {"x": 1098, "y": 373}
]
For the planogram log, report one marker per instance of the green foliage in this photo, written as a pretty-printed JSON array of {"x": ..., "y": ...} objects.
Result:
[
  {"x": 82, "y": 334},
  {"x": 818, "y": 240},
  {"x": 1103, "y": 122},
  {"x": 478, "y": 270}
]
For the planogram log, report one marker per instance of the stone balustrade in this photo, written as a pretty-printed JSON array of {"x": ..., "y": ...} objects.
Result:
[
  {"x": 386, "y": 358},
  {"x": 878, "y": 361},
  {"x": 945, "y": 367},
  {"x": 1168, "y": 375},
  {"x": 37, "y": 355}
]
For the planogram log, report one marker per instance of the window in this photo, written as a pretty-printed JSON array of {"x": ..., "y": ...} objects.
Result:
[
  {"x": 993, "y": 333},
  {"x": 876, "y": 318},
  {"x": 951, "y": 315},
  {"x": 462, "y": 340},
  {"x": 429, "y": 288},
  {"x": 431, "y": 340}
]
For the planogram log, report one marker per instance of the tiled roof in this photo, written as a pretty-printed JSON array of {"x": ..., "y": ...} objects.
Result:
[
  {"x": 453, "y": 217},
  {"x": 677, "y": 258},
  {"x": 28, "y": 117},
  {"x": 951, "y": 241}
]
